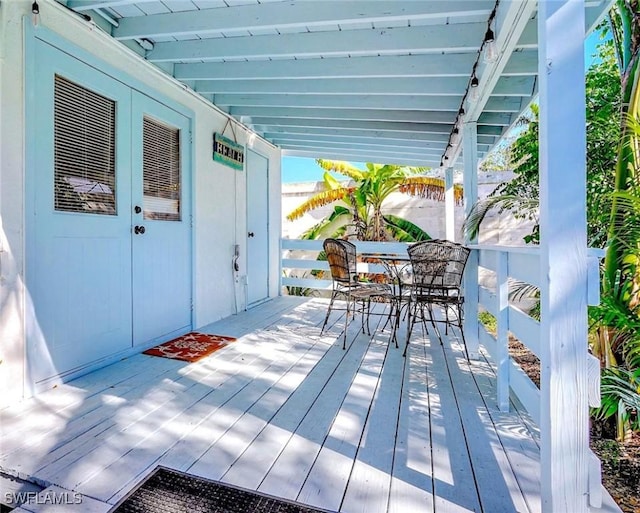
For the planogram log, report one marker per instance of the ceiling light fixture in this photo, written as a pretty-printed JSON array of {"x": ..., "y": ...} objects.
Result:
[
  {"x": 146, "y": 44},
  {"x": 455, "y": 135},
  {"x": 35, "y": 14},
  {"x": 490, "y": 48},
  {"x": 474, "y": 92}
]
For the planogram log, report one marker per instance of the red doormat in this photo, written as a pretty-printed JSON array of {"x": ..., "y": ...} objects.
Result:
[{"x": 190, "y": 347}]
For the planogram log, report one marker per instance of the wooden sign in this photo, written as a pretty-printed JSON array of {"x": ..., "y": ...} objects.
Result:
[{"x": 228, "y": 152}]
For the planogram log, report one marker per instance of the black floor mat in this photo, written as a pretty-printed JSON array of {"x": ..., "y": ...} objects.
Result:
[{"x": 169, "y": 491}]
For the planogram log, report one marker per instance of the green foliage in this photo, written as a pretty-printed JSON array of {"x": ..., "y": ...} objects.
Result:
[
  {"x": 333, "y": 225},
  {"x": 625, "y": 30},
  {"x": 524, "y": 160},
  {"x": 620, "y": 392},
  {"x": 499, "y": 159},
  {"x": 523, "y": 206},
  {"x": 360, "y": 208},
  {"x": 489, "y": 322},
  {"x": 520, "y": 196},
  {"x": 603, "y": 134},
  {"x": 621, "y": 346},
  {"x": 403, "y": 230}
]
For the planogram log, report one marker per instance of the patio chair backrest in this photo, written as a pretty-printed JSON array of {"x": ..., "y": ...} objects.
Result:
[
  {"x": 341, "y": 255},
  {"x": 438, "y": 263}
]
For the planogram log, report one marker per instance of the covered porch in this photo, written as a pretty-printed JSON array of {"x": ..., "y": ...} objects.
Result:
[
  {"x": 287, "y": 412},
  {"x": 283, "y": 410}
]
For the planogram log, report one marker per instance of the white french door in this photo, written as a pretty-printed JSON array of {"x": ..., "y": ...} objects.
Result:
[
  {"x": 78, "y": 217},
  {"x": 161, "y": 221},
  {"x": 101, "y": 277}
]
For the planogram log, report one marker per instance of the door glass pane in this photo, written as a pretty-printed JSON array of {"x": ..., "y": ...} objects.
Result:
[
  {"x": 161, "y": 171},
  {"x": 84, "y": 150}
]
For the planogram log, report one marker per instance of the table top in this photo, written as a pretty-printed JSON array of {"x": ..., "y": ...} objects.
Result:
[{"x": 386, "y": 257}]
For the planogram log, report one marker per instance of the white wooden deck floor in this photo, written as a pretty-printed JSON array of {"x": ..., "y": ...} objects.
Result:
[{"x": 289, "y": 413}]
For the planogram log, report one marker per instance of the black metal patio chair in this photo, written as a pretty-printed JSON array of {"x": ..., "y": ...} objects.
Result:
[
  {"x": 341, "y": 255},
  {"x": 437, "y": 267}
]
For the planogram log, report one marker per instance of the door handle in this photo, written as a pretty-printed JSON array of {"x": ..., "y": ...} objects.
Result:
[
  {"x": 138, "y": 230},
  {"x": 251, "y": 234}
]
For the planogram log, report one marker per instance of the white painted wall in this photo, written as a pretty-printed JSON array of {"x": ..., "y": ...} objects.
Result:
[
  {"x": 12, "y": 296},
  {"x": 219, "y": 191}
]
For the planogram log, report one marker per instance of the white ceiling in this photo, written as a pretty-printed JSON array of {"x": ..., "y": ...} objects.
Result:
[{"x": 379, "y": 81}]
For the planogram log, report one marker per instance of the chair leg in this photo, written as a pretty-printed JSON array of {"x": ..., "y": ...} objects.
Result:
[
  {"x": 366, "y": 311},
  {"x": 346, "y": 323},
  {"x": 326, "y": 318},
  {"x": 433, "y": 322},
  {"x": 410, "y": 322},
  {"x": 395, "y": 304},
  {"x": 460, "y": 318},
  {"x": 391, "y": 310},
  {"x": 446, "y": 317}
]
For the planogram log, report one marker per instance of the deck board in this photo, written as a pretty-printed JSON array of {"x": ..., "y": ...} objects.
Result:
[
  {"x": 453, "y": 477},
  {"x": 285, "y": 411},
  {"x": 412, "y": 473},
  {"x": 287, "y": 474},
  {"x": 326, "y": 482},
  {"x": 496, "y": 483},
  {"x": 369, "y": 482}
]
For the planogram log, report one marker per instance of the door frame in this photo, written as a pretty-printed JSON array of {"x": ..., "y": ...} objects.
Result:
[
  {"x": 32, "y": 37},
  {"x": 268, "y": 234}
]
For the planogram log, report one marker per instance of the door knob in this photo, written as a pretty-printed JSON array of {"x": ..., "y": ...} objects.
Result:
[
  {"x": 137, "y": 209},
  {"x": 138, "y": 230},
  {"x": 250, "y": 234}
]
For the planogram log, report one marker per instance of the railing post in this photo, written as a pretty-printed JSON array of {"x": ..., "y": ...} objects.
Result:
[
  {"x": 502, "y": 318},
  {"x": 564, "y": 407},
  {"x": 449, "y": 206},
  {"x": 470, "y": 145}
]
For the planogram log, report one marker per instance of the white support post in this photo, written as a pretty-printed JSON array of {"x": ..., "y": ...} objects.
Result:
[
  {"x": 564, "y": 407},
  {"x": 449, "y": 204},
  {"x": 470, "y": 144},
  {"x": 502, "y": 341}
]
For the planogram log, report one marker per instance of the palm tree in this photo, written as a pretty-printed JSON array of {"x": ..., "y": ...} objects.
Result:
[
  {"x": 361, "y": 201},
  {"x": 520, "y": 195},
  {"x": 625, "y": 24}
]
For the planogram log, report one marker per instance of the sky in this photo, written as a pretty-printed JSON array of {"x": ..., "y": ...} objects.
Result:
[{"x": 299, "y": 169}]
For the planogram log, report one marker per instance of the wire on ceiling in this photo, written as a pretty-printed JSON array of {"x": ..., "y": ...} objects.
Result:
[{"x": 472, "y": 92}]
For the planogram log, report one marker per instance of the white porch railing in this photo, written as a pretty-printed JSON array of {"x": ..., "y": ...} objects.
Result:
[
  {"x": 515, "y": 263},
  {"x": 301, "y": 255},
  {"x": 520, "y": 264}
]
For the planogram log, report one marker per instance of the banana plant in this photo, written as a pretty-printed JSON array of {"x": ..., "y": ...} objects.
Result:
[{"x": 360, "y": 202}]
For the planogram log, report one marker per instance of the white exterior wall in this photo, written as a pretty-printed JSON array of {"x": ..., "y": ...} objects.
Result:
[
  {"x": 12, "y": 293},
  {"x": 219, "y": 192}
]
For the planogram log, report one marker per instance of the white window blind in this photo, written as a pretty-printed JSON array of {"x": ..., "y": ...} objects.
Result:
[
  {"x": 161, "y": 171},
  {"x": 84, "y": 150}
]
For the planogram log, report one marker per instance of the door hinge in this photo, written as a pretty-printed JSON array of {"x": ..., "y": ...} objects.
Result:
[{"x": 190, "y": 137}]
